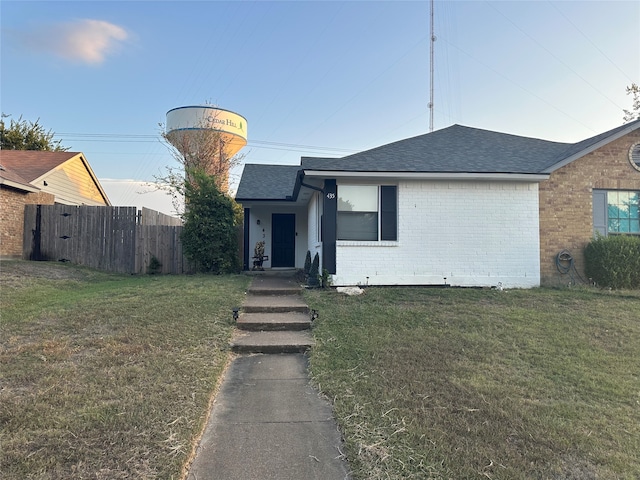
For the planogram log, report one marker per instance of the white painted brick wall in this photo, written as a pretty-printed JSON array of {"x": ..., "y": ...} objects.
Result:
[
  {"x": 314, "y": 209},
  {"x": 472, "y": 233}
]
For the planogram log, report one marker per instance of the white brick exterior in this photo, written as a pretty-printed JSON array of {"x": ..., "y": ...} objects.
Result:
[
  {"x": 473, "y": 233},
  {"x": 314, "y": 213}
]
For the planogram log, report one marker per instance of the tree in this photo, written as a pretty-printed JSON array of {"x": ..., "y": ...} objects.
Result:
[
  {"x": 209, "y": 236},
  {"x": 24, "y": 135},
  {"x": 634, "y": 113},
  {"x": 204, "y": 149}
]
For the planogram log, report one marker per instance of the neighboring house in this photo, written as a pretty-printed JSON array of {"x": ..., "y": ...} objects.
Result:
[
  {"x": 458, "y": 206},
  {"x": 46, "y": 178}
]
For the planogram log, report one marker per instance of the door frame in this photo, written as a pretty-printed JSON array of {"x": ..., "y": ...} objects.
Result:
[{"x": 292, "y": 254}]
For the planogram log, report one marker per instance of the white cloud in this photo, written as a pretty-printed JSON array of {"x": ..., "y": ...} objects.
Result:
[{"x": 88, "y": 41}]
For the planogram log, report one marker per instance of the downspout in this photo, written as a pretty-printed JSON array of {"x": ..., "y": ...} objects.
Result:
[
  {"x": 317, "y": 189},
  {"x": 329, "y": 225},
  {"x": 312, "y": 187}
]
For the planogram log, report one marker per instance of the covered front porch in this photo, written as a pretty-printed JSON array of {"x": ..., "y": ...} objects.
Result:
[{"x": 284, "y": 231}]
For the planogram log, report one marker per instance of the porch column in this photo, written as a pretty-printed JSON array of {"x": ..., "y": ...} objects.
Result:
[
  {"x": 245, "y": 242},
  {"x": 329, "y": 225}
]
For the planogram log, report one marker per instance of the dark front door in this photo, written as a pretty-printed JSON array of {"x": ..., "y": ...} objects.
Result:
[{"x": 283, "y": 240}]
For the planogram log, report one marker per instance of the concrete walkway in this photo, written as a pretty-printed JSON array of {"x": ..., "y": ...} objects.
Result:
[{"x": 267, "y": 421}]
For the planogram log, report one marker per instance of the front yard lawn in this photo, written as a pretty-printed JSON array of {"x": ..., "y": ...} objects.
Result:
[
  {"x": 110, "y": 376},
  {"x": 469, "y": 384},
  {"x": 107, "y": 376}
]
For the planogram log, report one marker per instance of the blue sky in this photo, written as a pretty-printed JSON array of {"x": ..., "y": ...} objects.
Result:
[{"x": 313, "y": 78}]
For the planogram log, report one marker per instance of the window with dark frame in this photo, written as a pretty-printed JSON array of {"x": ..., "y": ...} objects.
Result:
[{"x": 367, "y": 213}]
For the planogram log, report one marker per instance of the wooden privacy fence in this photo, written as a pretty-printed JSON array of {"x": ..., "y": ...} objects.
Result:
[{"x": 115, "y": 239}]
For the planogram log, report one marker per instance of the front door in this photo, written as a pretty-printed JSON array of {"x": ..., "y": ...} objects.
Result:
[{"x": 283, "y": 240}]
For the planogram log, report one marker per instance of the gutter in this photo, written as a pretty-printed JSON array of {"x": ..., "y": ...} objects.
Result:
[
  {"x": 517, "y": 177},
  {"x": 301, "y": 183},
  {"x": 19, "y": 186}
]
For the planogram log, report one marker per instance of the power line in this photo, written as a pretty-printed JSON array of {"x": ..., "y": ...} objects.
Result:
[
  {"x": 590, "y": 41},
  {"x": 554, "y": 56},
  {"x": 519, "y": 86},
  {"x": 148, "y": 138}
]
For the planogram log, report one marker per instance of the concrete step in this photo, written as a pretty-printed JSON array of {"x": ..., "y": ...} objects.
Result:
[
  {"x": 274, "y": 321},
  {"x": 274, "y": 286},
  {"x": 294, "y": 290},
  {"x": 274, "y": 304},
  {"x": 272, "y": 342}
]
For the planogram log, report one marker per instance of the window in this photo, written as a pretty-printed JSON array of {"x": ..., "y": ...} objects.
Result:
[
  {"x": 634, "y": 156},
  {"x": 367, "y": 212},
  {"x": 616, "y": 212},
  {"x": 622, "y": 212}
]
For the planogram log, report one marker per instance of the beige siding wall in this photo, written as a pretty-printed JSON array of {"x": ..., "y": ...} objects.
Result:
[
  {"x": 566, "y": 209},
  {"x": 72, "y": 184}
]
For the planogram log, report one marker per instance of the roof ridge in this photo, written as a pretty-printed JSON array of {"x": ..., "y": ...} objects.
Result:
[{"x": 585, "y": 144}]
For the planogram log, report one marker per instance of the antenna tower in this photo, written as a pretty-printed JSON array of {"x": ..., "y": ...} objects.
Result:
[{"x": 431, "y": 44}]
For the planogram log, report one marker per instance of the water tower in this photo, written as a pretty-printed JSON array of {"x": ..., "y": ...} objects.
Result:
[{"x": 218, "y": 132}]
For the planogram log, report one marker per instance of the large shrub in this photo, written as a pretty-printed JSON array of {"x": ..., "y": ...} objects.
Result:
[
  {"x": 614, "y": 261},
  {"x": 209, "y": 236}
]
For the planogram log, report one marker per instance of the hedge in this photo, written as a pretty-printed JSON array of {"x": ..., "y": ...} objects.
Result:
[{"x": 614, "y": 261}]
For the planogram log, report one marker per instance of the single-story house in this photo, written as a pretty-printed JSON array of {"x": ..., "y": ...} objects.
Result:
[
  {"x": 45, "y": 178},
  {"x": 459, "y": 206}
]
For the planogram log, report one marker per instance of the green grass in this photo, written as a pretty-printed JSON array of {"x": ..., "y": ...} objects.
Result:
[
  {"x": 469, "y": 384},
  {"x": 107, "y": 376}
]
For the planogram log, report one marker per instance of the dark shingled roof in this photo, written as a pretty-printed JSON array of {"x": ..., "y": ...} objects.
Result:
[
  {"x": 584, "y": 145},
  {"x": 267, "y": 182},
  {"x": 455, "y": 149}
]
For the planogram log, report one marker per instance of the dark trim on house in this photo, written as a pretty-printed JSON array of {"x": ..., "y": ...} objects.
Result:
[
  {"x": 298, "y": 185},
  {"x": 329, "y": 225},
  {"x": 389, "y": 212},
  {"x": 245, "y": 241},
  {"x": 300, "y": 182}
]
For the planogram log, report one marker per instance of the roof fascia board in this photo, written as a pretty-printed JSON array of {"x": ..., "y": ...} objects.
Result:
[
  {"x": 286, "y": 201},
  {"x": 591, "y": 148},
  {"x": 249, "y": 203},
  {"x": 19, "y": 186},
  {"x": 95, "y": 179},
  {"x": 89, "y": 169},
  {"x": 514, "y": 177}
]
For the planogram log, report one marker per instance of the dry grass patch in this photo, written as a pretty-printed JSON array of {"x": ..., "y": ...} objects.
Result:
[
  {"x": 467, "y": 384},
  {"x": 107, "y": 376}
]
